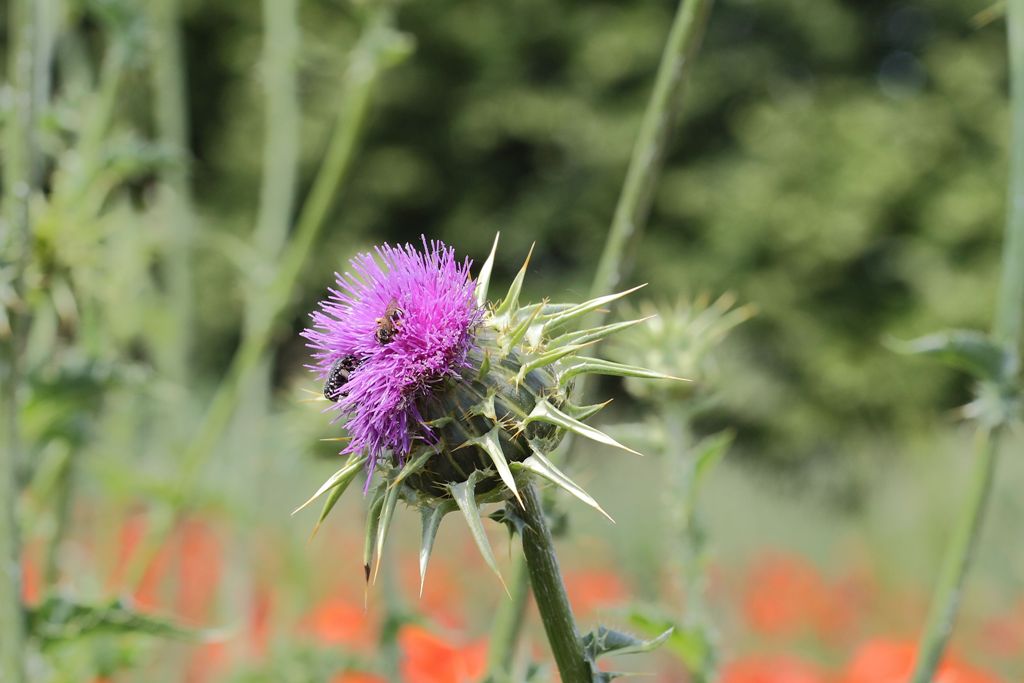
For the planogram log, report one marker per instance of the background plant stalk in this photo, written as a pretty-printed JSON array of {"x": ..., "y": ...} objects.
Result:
[
  {"x": 625, "y": 232},
  {"x": 1006, "y": 331}
]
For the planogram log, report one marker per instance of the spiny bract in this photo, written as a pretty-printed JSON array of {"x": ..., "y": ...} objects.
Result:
[{"x": 461, "y": 400}]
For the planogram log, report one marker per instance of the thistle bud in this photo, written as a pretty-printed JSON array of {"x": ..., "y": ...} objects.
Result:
[
  {"x": 450, "y": 400},
  {"x": 678, "y": 338}
]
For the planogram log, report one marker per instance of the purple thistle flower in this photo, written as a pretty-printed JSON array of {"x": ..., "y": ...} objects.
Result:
[{"x": 433, "y": 333}]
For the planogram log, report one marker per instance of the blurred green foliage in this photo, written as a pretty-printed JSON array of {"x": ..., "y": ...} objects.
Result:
[{"x": 840, "y": 165}]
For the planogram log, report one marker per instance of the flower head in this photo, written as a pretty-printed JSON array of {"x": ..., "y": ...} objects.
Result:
[
  {"x": 453, "y": 400},
  {"x": 402, "y": 323}
]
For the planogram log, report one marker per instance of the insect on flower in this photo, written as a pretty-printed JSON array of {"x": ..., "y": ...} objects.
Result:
[
  {"x": 338, "y": 376},
  {"x": 389, "y": 323}
]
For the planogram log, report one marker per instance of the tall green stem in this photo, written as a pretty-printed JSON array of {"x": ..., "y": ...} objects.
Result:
[
  {"x": 19, "y": 176},
  {"x": 374, "y": 53},
  {"x": 1007, "y": 331},
  {"x": 1011, "y": 291},
  {"x": 690, "y": 564},
  {"x": 549, "y": 591},
  {"x": 281, "y": 124},
  {"x": 684, "y": 40},
  {"x": 958, "y": 559}
]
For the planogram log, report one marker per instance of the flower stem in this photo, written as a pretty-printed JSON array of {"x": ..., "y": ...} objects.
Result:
[
  {"x": 549, "y": 591},
  {"x": 1007, "y": 331},
  {"x": 371, "y": 56}
]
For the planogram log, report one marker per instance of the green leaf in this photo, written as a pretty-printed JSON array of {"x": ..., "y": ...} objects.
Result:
[
  {"x": 709, "y": 452},
  {"x": 490, "y": 443},
  {"x": 341, "y": 479},
  {"x": 511, "y": 300},
  {"x": 546, "y": 359},
  {"x": 332, "y": 499},
  {"x": 431, "y": 519},
  {"x": 595, "y": 333},
  {"x": 967, "y": 350},
  {"x": 545, "y": 412},
  {"x": 483, "y": 280},
  {"x": 59, "y": 619},
  {"x": 584, "y": 412},
  {"x": 557, "y": 320},
  {"x": 384, "y": 524},
  {"x": 598, "y": 366},
  {"x": 606, "y": 641},
  {"x": 485, "y": 407},
  {"x": 465, "y": 497},
  {"x": 540, "y": 466},
  {"x": 413, "y": 466},
  {"x": 520, "y": 330},
  {"x": 372, "y": 522},
  {"x": 691, "y": 645}
]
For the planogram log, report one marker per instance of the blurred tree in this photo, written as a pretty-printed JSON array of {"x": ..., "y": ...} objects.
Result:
[{"x": 839, "y": 165}]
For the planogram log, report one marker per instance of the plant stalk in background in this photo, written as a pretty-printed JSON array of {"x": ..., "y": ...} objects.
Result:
[
  {"x": 626, "y": 229},
  {"x": 1007, "y": 334},
  {"x": 652, "y": 141},
  {"x": 171, "y": 114}
]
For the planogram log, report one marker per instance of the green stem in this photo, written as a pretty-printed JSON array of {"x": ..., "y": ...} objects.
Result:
[
  {"x": 652, "y": 140},
  {"x": 1007, "y": 331},
  {"x": 549, "y": 591},
  {"x": 170, "y": 110},
  {"x": 681, "y": 502},
  {"x": 508, "y": 624},
  {"x": 370, "y": 57},
  {"x": 20, "y": 169},
  {"x": 958, "y": 559},
  {"x": 1011, "y": 291},
  {"x": 281, "y": 124}
]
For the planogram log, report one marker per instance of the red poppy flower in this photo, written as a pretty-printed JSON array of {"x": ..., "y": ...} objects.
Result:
[
  {"x": 31, "y": 575},
  {"x": 786, "y": 596},
  {"x": 892, "y": 661},
  {"x": 199, "y": 569},
  {"x": 428, "y": 658},
  {"x": 339, "y": 622},
  {"x": 591, "y": 590}
]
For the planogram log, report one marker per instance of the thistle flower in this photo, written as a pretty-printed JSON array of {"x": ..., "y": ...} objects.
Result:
[
  {"x": 434, "y": 316},
  {"x": 450, "y": 401}
]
